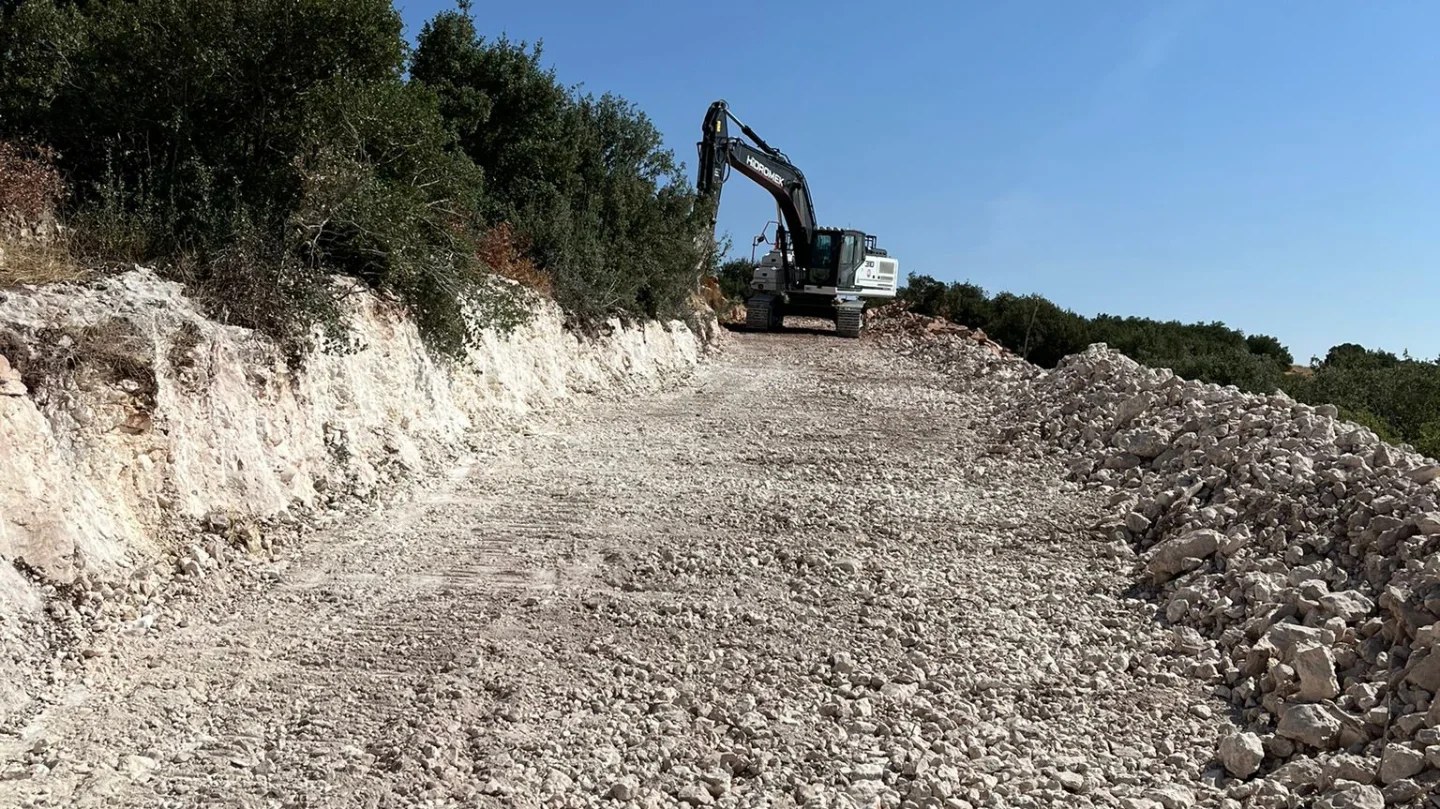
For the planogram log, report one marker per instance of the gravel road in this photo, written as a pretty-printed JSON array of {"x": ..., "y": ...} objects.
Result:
[{"x": 811, "y": 574}]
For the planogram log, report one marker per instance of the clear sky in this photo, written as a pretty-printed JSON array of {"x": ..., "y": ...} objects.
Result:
[{"x": 1273, "y": 165}]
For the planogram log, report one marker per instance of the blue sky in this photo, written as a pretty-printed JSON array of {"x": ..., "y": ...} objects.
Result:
[{"x": 1272, "y": 165}]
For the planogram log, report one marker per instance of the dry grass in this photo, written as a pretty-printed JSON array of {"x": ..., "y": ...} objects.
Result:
[
  {"x": 506, "y": 253},
  {"x": 33, "y": 250},
  {"x": 30, "y": 186},
  {"x": 25, "y": 260},
  {"x": 712, "y": 296},
  {"x": 112, "y": 352}
]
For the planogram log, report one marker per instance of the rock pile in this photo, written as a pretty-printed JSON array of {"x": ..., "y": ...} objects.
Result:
[
  {"x": 1296, "y": 556},
  {"x": 958, "y": 350}
]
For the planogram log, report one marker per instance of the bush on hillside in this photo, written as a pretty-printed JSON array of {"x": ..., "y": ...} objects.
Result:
[
  {"x": 585, "y": 180},
  {"x": 1376, "y": 387},
  {"x": 1042, "y": 332},
  {"x": 733, "y": 277},
  {"x": 254, "y": 148}
]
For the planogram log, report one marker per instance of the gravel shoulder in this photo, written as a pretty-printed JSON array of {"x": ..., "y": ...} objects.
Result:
[{"x": 813, "y": 575}]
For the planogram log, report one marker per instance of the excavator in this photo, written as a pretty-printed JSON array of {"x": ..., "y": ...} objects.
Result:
[{"x": 811, "y": 271}]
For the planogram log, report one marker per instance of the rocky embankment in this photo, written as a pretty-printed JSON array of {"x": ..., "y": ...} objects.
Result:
[
  {"x": 141, "y": 441},
  {"x": 1295, "y": 557}
]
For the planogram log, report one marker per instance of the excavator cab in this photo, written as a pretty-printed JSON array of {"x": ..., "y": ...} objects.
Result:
[{"x": 835, "y": 256}]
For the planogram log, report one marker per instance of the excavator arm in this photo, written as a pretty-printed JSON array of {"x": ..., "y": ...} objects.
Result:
[{"x": 765, "y": 165}]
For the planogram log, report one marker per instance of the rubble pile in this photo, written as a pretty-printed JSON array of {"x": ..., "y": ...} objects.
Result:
[
  {"x": 1295, "y": 555},
  {"x": 943, "y": 344}
]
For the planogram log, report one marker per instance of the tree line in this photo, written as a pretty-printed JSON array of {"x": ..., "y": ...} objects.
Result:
[
  {"x": 254, "y": 148},
  {"x": 1397, "y": 396}
]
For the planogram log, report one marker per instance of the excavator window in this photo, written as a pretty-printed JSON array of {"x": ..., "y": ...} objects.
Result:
[
  {"x": 850, "y": 254},
  {"x": 822, "y": 252}
]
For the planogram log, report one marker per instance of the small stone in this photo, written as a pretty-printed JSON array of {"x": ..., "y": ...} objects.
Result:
[
  {"x": 1424, "y": 671},
  {"x": 1278, "y": 746},
  {"x": 1172, "y": 797},
  {"x": 625, "y": 789},
  {"x": 1399, "y": 761},
  {"x": 1428, "y": 523},
  {"x": 1424, "y": 474},
  {"x": 1137, "y": 523},
  {"x": 1147, "y": 443},
  {"x": 1071, "y": 781},
  {"x": 695, "y": 795},
  {"x": 1241, "y": 753},
  {"x": 1315, "y": 666},
  {"x": 867, "y": 772},
  {"x": 137, "y": 767},
  {"x": 1310, "y": 724},
  {"x": 1183, "y": 553},
  {"x": 557, "y": 783},
  {"x": 1350, "y": 605},
  {"x": 1352, "y": 796},
  {"x": 1402, "y": 791},
  {"x": 1346, "y": 767}
]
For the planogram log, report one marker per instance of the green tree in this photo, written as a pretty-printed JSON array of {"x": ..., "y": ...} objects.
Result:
[
  {"x": 734, "y": 276},
  {"x": 251, "y": 148},
  {"x": 1355, "y": 356},
  {"x": 1266, "y": 346},
  {"x": 925, "y": 295},
  {"x": 586, "y": 179}
]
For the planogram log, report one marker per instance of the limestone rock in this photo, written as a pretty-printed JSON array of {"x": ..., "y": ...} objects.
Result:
[
  {"x": 1183, "y": 553},
  {"x": 1348, "y": 605},
  {"x": 1310, "y": 724},
  {"x": 1241, "y": 753},
  {"x": 1399, "y": 761},
  {"x": 1424, "y": 671},
  {"x": 1352, "y": 796},
  {"x": 1145, "y": 442},
  {"x": 1315, "y": 666}
]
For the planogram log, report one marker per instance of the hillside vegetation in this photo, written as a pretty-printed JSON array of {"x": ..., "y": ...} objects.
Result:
[
  {"x": 253, "y": 148},
  {"x": 1398, "y": 397}
]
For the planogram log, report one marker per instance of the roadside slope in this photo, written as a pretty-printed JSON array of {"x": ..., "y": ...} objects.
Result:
[
  {"x": 812, "y": 574},
  {"x": 142, "y": 442}
]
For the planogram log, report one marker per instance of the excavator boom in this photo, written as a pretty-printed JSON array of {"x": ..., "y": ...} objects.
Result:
[{"x": 765, "y": 165}]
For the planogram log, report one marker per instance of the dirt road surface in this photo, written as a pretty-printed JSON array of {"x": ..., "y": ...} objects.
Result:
[{"x": 808, "y": 575}]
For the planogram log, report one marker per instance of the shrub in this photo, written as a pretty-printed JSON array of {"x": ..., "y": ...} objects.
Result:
[
  {"x": 733, "y": 278},
  {"x": 30, "y": 185},
  {"x": 254, "y": 147},
  {"x": 507, "y": 254},
  {"x": 33, "y": 249},
  {"x": 584, "y": 180}
]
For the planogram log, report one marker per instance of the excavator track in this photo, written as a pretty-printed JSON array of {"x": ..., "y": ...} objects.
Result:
[
  {"x": 758, "y": 315},
  {"x": 849, "y": 322}
]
